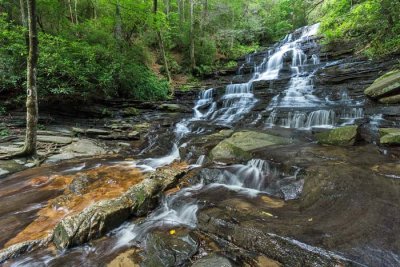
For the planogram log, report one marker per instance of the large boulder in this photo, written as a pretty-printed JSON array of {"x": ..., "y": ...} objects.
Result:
[
  {"x": 343, "y": 136},
  {"x": 103, "y": 216},
  {"x": 389, "y": 136},
  {"x": 386, "y": 89},
  {"x": 240, "y": 145}
]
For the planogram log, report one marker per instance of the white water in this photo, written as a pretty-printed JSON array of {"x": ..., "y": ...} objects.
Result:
[{"x": 172, "y": 212}]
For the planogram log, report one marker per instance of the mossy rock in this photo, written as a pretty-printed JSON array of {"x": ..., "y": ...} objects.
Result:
[
  {"x": 175, "y": 108},
  {"x": 389, "y": 136},
  {"x": 386, "y": 88},
  {"x": 240, "y": 145},
  {"x": 343, "y": 136},
  {"x": 131, "y": 111}
]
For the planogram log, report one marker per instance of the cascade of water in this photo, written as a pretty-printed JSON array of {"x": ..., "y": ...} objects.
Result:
[
  {"x": 170, "y": 213},
  {"x": 315, "y": 59},
  {"x": 237, "y": 101},
  {"x": 271, "y": 120},
  {"x": 352, "y": 113},
  {"x": 250, "y": 176},
  {"x": 295, "y": 120},
  {"x": 205, "y": 99},
  {"x": 321, "y": 118}
]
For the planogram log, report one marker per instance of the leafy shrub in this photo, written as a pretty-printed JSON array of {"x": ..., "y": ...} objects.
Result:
[{"x": 76, "y": 68}]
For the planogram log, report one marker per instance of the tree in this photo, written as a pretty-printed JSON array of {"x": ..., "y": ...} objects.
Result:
[
  {"x": 161, "y": 44},
  {"x": 191, "y": 35},
  {"x": 31, "y": 92}
]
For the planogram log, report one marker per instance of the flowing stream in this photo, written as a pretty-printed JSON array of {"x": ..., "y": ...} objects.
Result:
[{"x": 294, "y": 107}]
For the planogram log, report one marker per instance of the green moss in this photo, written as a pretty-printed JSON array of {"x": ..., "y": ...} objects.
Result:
[
  {"x": 131, "y": 111},
  {"x": 389, "y": 136},
  {"x": 389, "y": 82},
  {"x": 340, "y": 137}
]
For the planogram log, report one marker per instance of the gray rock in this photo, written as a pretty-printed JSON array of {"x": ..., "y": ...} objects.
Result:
[
  {"x": 77, "y": 130},
  {"x": 164, "y": 249},
  {"x": 212, "y": 260},
  {"x": 54, "y": 139},
  {"x": 3, "y": 172},
  {"x": 83, "y": 147},
  {"x": 174, "y": 108}
]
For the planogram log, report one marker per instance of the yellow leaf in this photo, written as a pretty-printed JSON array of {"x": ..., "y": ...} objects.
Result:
[{"x": 172, "y": 232}]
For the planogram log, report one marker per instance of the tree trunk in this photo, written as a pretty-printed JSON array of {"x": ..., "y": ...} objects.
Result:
[
  {"x": 191, "y": 34},
  {"x": 23, "y": 17},
  {"x": 31, "y": 99},
  {"x": 167, "y": 7},
  {"x": 71, "y": 14},
  {"x": 179, "y": 2},
  {"x": 118, "y": 23},
  {"x": 161, "y": 45},
  {"x": 76, "y": 12}
]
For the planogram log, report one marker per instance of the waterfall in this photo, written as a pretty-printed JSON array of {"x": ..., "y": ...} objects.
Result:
[
  {"x": 321, "y": 118},
  {"x": 250, "y": 177},
  {"x": 296, "y": 120},
  {"x": 271, "y": 120},
  {"x": 352, "y": 113},
  {"x": 205, "y": 99},
  {"x": 237, "y": 101}
]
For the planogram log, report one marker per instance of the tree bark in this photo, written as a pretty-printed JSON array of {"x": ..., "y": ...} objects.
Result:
[
  {"x": 31, "y": 99},
  {"x": 118, "y": 23},
  {"x": 161, "y": 45},
  {"x": 23, "y": 16},
  {"x": 191, "y": 34},
  {"x": 71, "y": 14},
  {"x": 76, "y": 12}
]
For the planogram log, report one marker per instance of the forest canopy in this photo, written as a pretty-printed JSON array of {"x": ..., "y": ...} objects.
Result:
[{"x": 135, "y": 49}]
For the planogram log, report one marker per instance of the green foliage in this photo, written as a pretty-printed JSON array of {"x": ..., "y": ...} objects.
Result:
[
  {"x": 4, "y": 132},
  {"x": 373, "y": 24},
  {"x": 76, "y": 68},
  {"x": 3, "y": 111}
]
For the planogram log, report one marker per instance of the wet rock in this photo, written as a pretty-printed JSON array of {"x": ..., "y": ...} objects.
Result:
[
  {"x": 174, "y": 108},
  {"x": 130, "y": 111},
  {"x": 209, "y": 175},
  {"x": 103, "y": 216},
  {"x": 343, "y": 136},
  {"x": 126, "y": 259},
  {"x": 10, "y": 166},
  {"x": 386, "y": 89},
  {"x": 240, "y": 145},
  {"x": 293, "y": 190},
  {"x": 389, "y": 136},
  {"x": 164, "y": 249},
  {"x": 3, "y": 172},
  {"x": 79, "y": 184},
  {"x": 97, "y": 132},
  {"x": 81, "y": 148},
  {"x": 282, "y": 250},
  {"x": 77, "y": 130},
  {"x": 54, "y": 139},
  {"x": 54, "y": 133},
  {"x": 212, "y": 260},
  {"x": 18, "y": 249},
  {"x": 134, "y": 135}
]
